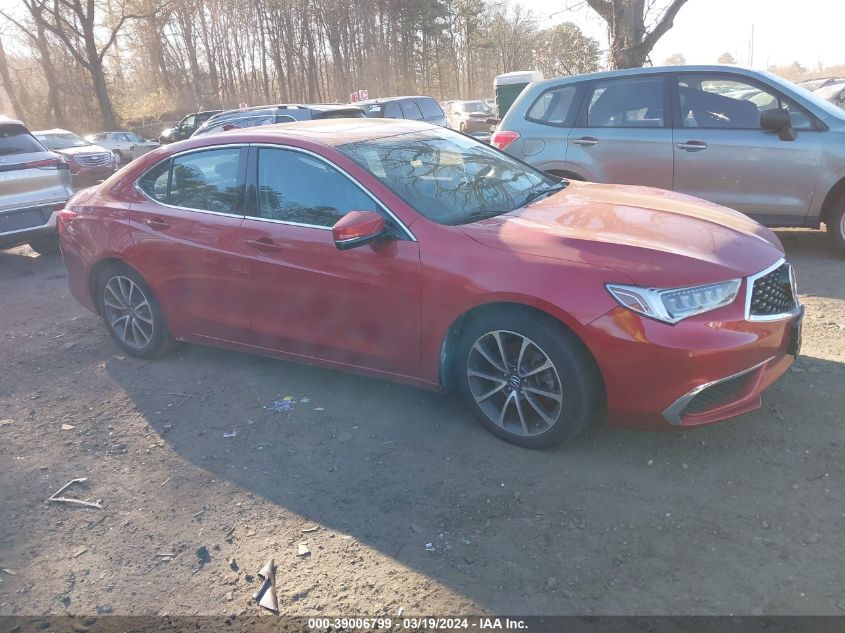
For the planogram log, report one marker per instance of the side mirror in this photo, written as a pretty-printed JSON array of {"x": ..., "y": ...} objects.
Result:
[
  {"x": 357, "y": 228},
  {"x": 777, "y": 120}
]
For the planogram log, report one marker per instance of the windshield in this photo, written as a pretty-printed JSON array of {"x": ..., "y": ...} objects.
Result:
[
  {"x": 447, "y": 177},
  {"x": 475, "y": 106},
  {"x": 829, "y": 92},
  {"x": 813, "y": 97},
  {"x": 61, "y": 141}
]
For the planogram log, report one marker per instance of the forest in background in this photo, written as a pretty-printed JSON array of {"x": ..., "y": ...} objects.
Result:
[{"x": 158, "y": 59}]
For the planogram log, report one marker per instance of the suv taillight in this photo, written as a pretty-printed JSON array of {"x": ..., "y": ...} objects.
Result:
[
  {"x": 47, "y": 162},
  {"x": 502, "y": 138}
]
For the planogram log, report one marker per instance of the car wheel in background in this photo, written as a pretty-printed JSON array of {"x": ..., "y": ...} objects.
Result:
[
  {"x": 46, "y": 245},
  {"x": 462, "y": 127},
  {"x": 119, "y": 155},
  {"x": 528, "y": 379},
  {"x": 836, "y": 225},
  {"x": 132, "y": 315}
]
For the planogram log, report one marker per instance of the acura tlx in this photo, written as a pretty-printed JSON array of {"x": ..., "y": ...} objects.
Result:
[{"x": 413, "y": 253}]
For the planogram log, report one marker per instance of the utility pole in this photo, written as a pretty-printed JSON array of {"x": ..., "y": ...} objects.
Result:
[{"x": 751, "y": 48}]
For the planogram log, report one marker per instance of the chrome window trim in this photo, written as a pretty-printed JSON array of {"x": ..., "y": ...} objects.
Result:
[
  {"x": 352, "y": 179},
  {"x": 749, "y": 290},
  {"x": 182, "y": 153},
  {"x": 672, "y": 414}
]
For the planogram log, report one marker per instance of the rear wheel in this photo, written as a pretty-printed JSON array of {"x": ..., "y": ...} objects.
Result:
[
  {"x": 119, "y": 156},
  {"x": 132, "y": 315},
  {"x": 46, "y": 245},
  {"x": 836, "y": 226},
  {"x": 528, "y": 380}
]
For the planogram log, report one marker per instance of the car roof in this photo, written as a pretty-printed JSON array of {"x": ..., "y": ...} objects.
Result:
[
  {"x": 10, "y": 121},
  {"x": 388, "y": 99},
  {"x": 55, "y": 130},
  {"x": 653, "y": 70},
  {"x": 329, "y": 132}
]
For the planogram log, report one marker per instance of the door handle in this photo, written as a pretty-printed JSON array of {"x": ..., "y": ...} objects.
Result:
[
  {"x": 156, "y": 224},
  {"x": 586, "y": 141},
  {"x": 264, "y": 244},
  {"x": 693, "y": 146}
]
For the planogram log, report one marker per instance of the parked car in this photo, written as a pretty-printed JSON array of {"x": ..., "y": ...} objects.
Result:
[
  {"x": 186, "y": 127},
  {"x": 835, "y": 93},
  {"x": 414, "y": 108},
  {"x": 89, "y": 164},
  {"x": 744, "y": 139},
  {"x": 269, "y": 115},
  {"x": 126, "y": 146},
  {"x": 34, "y": 186},
  {"x": 814, "y": 84},
  {"x": 471, "y": 116},
  {"x": 414, "y": 253}
]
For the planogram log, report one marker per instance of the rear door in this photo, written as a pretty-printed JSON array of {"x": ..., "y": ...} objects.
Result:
[
  {"x": 410, "y": 110},
  {"x": 722, "y": 154},
  {"x": 623, "y": 133},
  {"x": 358, "y": 307},
  {"x": 186, "y": 241}
]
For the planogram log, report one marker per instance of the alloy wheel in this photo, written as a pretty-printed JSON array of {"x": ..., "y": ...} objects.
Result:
[
  {"x": 514, "y": 383},
  {"x": 128, "y": 312}
]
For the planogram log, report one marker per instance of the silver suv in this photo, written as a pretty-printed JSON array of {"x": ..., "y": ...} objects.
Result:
[
  {"x": 741, "y": 138},
  {"x": 34, "y": 186}
]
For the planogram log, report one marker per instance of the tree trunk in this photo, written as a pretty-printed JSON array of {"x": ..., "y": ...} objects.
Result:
[{"x": 8, "y": 85}]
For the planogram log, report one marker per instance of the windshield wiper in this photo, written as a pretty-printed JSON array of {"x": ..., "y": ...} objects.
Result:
[
  {"x": 474, "y": 217},
  {"x": 558, "y": 186}
]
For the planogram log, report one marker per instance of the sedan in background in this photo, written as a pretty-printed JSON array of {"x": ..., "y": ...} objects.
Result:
[
  {"x": 127, "y": 146},
  {"x": 186, "y": 127},
  {"x": 414, "y": 253},
  {"x": 414, "y": 108},
  {"x": 89, "y": 164},
  {"x": 471, "y": 116},
  {"x": 835, "y": 93}
]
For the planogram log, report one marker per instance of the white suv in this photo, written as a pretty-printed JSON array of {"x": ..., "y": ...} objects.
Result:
[{"x": 34, "y": 186}]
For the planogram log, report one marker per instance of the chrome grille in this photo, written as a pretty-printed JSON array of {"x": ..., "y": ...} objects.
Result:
[
  {"x": 93, "y": 160},
  {"x": 772, "y": 293}
]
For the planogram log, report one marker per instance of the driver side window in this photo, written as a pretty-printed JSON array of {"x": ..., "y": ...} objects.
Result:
[{"x": 724, "y": 102}]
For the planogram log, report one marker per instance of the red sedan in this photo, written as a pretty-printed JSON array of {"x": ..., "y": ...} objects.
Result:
[{"x": 413, "y": 253}]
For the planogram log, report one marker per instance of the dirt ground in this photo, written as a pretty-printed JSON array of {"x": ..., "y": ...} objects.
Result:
[{"x": 199, "y": 490}]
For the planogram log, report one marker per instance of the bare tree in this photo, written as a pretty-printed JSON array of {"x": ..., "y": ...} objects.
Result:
[
  {"x": 726, "y": 58},
  {"x": 631, "y": 37},
  {"x": 676, "y": 59},
  {"x": 8, "y": 84}
]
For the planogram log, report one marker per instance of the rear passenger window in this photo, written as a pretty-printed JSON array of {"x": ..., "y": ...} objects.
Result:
[
  {"x": 207, "y": 181},
  {"x": 430, "y": 108},
  {"x": 154, "y": 182},
  {"x": 554, "y": 106},
  {"x": 411, "y": 110},
  {"x": 203, "y": 181},
  {"x": 635, "y": 102},
  {"x": 392, "y": 111}
]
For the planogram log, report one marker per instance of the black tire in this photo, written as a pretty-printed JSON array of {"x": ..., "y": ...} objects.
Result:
[
  {"x": 575, "y": 377},
  {"x": 120, "y": 159},
  {"x": 149, "y": 322},
  {"x": 836, "y": 226},
  {"x": 45, "y": 245}
]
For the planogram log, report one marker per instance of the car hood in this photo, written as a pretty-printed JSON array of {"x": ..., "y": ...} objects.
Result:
[
  {"x": 654, "y": 237},
  {"x": 80, "y": 151}
]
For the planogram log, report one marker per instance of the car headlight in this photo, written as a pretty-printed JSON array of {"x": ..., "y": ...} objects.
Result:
[{"x": 671, "y": 305}]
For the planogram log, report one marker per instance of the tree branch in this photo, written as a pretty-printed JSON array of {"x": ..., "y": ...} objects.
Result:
[{"x": 663, "y": 25}]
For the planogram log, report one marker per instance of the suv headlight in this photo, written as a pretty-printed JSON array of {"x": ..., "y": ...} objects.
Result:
[{"x": 671, "y": 305}]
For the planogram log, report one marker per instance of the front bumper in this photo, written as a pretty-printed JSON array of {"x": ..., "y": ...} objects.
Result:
[
  {"x": 699, "y": 371},
  {"x": 90, "y": 176}
]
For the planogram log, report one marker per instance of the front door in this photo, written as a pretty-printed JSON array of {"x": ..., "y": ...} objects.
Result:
[
  {"x": 359, "y": 307},
  {"x": 623, "y": 134},
  {"x": 722, "y": 154},
  {"x": 186, "y": 236}
]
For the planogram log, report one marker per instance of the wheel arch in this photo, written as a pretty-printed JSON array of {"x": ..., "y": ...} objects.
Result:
[
  {"x": 834, "y": 195},
  {"x": 452, "y": 338},
  {"x": 94, "y": 274},
  {"x": 565, "y": 173}
]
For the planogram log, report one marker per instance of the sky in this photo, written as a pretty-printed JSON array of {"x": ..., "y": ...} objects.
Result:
[{"x": 807, "y": 31}]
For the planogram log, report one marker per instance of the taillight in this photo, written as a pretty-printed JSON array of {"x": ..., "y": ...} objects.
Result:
[
  {"x": 63, "y": 218},
  {"x": 502, "y": 138},
  {"x": 40, "y": 164}
]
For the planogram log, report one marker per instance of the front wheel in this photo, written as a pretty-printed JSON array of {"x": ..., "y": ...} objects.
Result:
[
  {"x": 836, "y": 226},
  {"x": 132, "y": 315},
  {"x": 528, "y": 380}
]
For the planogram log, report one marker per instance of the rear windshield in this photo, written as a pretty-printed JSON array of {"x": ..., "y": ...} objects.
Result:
[
  {"x": 16, "y": 139},
  {"x": 62, "y": 141},
  {"x": 372, "y": 110}
]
